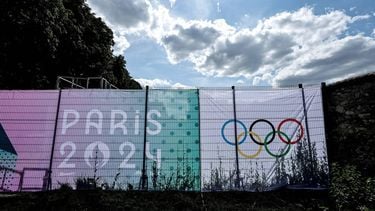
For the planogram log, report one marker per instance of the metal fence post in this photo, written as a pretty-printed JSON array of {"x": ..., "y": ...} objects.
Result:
[
  {"x": 144, "y": 178},
  {"x": 58, "y": 82},
  {"x": 325, "y": 111},
  {"x": 199, "y": 134},
  {"x": 101, "y": 82},
  {"x": 307, "y": 125},
  {"x": 49, "y": 182},
  {"x": 237, "y": 182}
]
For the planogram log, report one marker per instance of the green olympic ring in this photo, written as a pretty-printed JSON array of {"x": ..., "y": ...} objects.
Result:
[{"x": 269, "y": 151}]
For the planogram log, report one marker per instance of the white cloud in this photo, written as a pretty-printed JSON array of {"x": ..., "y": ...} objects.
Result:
[
  {"x": 247, "y": 21},
  {"x": 261, "y": 80},
  {"x": 121, "y": 44},
  {"x": 240, "y": 81},
  {"x": 289, "y": 47},
  {"x": 360, "y": 17},
  {"x": 160, "y": 83}
]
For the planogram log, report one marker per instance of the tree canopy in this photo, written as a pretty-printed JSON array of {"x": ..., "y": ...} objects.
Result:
[{"x": 43, "y": 39}]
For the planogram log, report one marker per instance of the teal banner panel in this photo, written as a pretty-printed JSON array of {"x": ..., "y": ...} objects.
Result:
[{"x": 172, "y": 148}]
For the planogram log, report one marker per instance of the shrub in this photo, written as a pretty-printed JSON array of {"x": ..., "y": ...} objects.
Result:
[{"x": 351, "y": 190}]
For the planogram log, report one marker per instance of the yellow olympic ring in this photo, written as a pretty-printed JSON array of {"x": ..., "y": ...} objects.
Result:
[{"x": 259, "y": 149}]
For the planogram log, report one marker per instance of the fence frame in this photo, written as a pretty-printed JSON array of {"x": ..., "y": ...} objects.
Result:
[{"x": 143, "y": 184}]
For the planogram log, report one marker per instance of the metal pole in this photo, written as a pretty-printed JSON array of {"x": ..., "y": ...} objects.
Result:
[
  {"x": 199, "y": 136},
  {"x": 325, "y": 110},
  {"x": 49, "y": 182},
  {"x": 237, "y": 182},
  {"x": 58, "y": 83},
  {"x": 144, "y": 179},
  {"x": 306, "y": 124}
]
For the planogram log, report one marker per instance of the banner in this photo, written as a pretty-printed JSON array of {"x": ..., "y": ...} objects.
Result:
[
  {"x": 222, "y": 139},
  {"x": 274, "y": 149},
  {"x": 27, "y": 120},
  {"x": 218, "y": 158},
  {"x": 103, "y": 139},
  {"x": 99, "y": 138},
  {"x": 174, "y": 142}
]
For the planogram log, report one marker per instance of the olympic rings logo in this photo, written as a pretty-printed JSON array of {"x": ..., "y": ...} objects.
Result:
[{"x": 269, "y": 137}]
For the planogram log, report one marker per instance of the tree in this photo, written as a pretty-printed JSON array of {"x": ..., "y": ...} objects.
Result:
[{"x": 42, "y": 39}]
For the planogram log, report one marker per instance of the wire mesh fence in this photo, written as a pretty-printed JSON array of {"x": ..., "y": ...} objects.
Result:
[{"x": 207, "y": 139}]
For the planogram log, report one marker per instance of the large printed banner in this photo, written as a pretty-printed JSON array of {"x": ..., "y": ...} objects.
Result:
[
  {"x": 274, "y": 149},
  {"x": 177, "y": 142},
  {"x": 27, "y": 120},
  {"x": 187, "y": 138},
  {"x": 101, "y": 136}
]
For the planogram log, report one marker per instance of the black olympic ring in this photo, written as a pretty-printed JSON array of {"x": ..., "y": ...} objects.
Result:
[{"x": 270, "y": 124}]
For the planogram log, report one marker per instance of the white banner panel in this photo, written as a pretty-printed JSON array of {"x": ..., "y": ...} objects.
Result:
[
  {"x": 218, "y": 166},
  {"x": 275, "y": 146}
]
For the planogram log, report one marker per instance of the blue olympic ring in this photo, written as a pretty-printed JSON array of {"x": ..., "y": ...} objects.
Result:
[{"x": 225, "y": 139}]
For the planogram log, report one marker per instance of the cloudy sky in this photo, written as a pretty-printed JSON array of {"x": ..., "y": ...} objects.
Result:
[{"x": 199, "y": 43}]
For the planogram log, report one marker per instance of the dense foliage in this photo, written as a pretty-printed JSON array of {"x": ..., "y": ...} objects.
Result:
[
  {"x": 42, "y": 39},
  {"x": 350, "y": 129},
  {"x": 350, "y": 123},
  {"x": 350, "y": 189}
]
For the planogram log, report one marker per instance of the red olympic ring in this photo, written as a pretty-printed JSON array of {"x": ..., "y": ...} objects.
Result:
[{"x": 290, "y": 120}]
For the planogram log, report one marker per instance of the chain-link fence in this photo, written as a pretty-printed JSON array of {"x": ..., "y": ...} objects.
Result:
[{"x": 207, "y": 139}]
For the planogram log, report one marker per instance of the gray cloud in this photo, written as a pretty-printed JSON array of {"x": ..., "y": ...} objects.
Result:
[
  {"x": 246, "y": 53},
  {"x": 228, "y": 57},
  {"x": 189, "y": 38},
  {"x": 122, "y": 13},
  {"x": 346, "y": 57}
]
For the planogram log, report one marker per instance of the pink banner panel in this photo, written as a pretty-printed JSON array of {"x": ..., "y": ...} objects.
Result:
[
  {"x": 99, "y": 138},
  {"x": 27, "y": 120}
]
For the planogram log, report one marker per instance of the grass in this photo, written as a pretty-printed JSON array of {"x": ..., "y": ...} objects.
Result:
[{"x": 136, "y": 200}]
